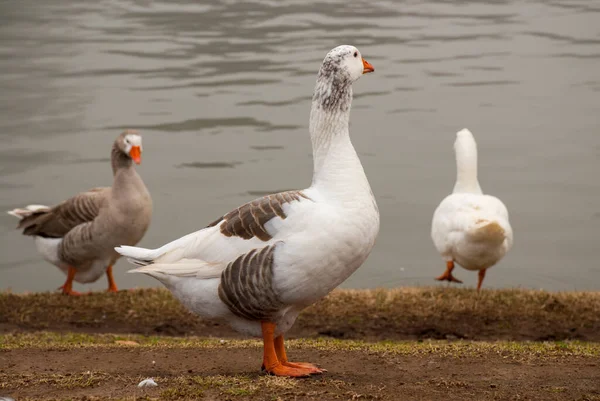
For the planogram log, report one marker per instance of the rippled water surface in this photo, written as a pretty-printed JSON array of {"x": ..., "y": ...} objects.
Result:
[{"x": 222, "y": 92}]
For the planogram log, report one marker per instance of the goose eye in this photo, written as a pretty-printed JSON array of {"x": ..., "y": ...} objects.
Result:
[{"x": 355, "y": 54}]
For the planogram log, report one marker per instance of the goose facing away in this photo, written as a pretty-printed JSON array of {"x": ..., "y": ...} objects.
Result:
[
  {"x": 258, "y": 266},
  {"x": 468, "y": 227},
  {"x": 79, "y": 235}
]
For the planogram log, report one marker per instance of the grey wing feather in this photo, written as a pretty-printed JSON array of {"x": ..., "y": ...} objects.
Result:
[
  {"x": 57, "y": 221},
  {"x": 78, "y": 245},
  {"x": 247, "y": 285}
]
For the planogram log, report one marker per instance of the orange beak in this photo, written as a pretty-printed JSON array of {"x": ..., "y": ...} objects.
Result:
[
  {"x": 367, "y": 67},
  {"x": 136, "y": 154}
]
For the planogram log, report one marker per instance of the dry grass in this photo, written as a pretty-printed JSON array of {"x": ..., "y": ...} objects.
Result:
[
  {"x": 442, "y": 348},
  {"x": 240, "y": 385},
  {"x": 138, "y": 307},
  {"x": 59, "y": 381},
  {"x": 173, "y": 387},
  {"x": 186, "y": 387},
  {"x": 468, "y": 313},
  {"x": 405, "y": 313}
]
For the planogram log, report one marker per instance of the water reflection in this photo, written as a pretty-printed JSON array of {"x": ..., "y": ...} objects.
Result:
[
  {"x": 221, "y": 93},
  {"x": 209, "y": 165}
]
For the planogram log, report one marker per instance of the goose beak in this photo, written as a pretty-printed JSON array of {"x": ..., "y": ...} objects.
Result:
[
  {"x": 367, "y": 67},
  {"x": 136, "y": 154}
]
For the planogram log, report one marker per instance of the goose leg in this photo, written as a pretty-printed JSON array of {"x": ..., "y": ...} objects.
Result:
[
  {"x": 481, "y": 277},
  {"x": 67, "y": 287},
  {"x": 112, "y": 286},
  {"x": 270, "y": 361},
  {"x": 282, "y": 356},
  {"x": 447, "y": 276}
]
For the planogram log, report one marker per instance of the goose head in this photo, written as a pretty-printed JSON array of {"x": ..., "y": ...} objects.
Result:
[
  {"x": 341, "y": 67},
  {"x": 344, "y": 63},
  {"x": 130, "y": 144}
]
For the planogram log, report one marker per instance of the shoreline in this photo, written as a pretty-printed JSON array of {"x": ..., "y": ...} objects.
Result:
[
  {"x": 407, "y": 343},
  {"x": 373, "y": 315}
]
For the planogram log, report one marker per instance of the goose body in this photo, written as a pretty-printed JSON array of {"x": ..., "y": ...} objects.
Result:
[
  {"x": 469, "y": 227},
  {"x": 79, "y": 235},
  {"x": 258, "y": 266}
]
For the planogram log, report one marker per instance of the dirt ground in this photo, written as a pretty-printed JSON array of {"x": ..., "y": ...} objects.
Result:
[
  {"x": 404, "y": 344},
  {"x": 233, "y": 374}
]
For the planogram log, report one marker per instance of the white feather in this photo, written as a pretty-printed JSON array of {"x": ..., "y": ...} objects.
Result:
[
  {"x": 324, "y": 238},
  {"x": 469, "y": 227},
  {"x": 183, "y": 268},
  {"x": 27, "y": 211},
  {"x": 147, "y": 383}
]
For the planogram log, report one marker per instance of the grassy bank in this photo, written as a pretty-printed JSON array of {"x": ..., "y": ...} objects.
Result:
[{"x": 396, "y": 314}]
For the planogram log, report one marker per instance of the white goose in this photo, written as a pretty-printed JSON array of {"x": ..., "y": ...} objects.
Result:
[
  {"x": 468, "y": 227},
  {"x": 257, "y": 267}
]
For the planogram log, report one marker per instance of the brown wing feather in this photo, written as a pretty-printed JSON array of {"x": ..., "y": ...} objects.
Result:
[
  {"x": 62, "y": 218},
  {"x": 248, "y": 221}
]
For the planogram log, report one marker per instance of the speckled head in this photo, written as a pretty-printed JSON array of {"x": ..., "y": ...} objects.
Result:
[
  {"x": 341, "y": 67},
  {"x": 345, "y": 60}
]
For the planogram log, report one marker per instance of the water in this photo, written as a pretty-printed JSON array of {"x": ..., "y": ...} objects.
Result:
[{"x": 221, "y": 94}]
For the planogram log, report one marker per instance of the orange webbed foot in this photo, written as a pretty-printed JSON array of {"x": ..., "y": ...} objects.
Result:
[
  {"x": 69, "y": 291},
  {"x": 288, "y": 371},
  {"x": 315, "y": 370},
  {"x": 67, "y": 287},
  {"x": 448, "y": 277},
  {"x": 275, "y": 359}
]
